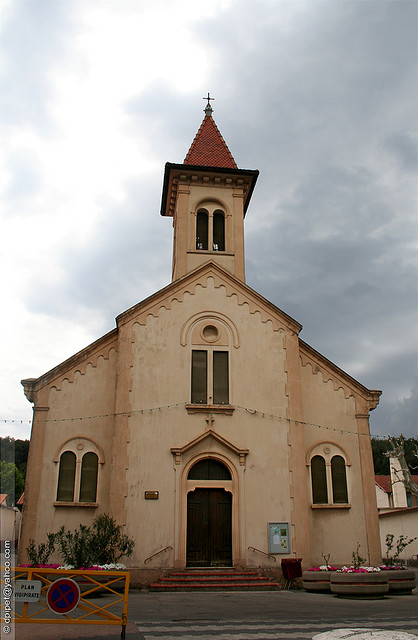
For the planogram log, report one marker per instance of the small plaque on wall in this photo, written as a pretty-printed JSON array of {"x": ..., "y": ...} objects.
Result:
[
  {"x": 278, "y": 535},
  {"x": 151, "y": 495}
]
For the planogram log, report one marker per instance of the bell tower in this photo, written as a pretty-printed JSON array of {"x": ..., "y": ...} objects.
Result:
[{"x": 207, "y": 196}]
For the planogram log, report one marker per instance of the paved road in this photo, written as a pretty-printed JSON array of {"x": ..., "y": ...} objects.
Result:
[
  {"x": 265, "y": 615},
  {"x": 250, "y": 615}
]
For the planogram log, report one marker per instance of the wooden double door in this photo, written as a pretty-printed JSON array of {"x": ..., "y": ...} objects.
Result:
[{"x": 209, "y": 528}]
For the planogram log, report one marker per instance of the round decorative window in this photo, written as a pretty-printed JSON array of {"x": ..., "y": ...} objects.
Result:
[{"x": 210, "y": 333}]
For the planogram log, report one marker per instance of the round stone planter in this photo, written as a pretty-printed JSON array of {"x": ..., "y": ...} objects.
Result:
[
  {"x": 373, "y": 584},
  {"x": 316, "y": 581},
  {"x": 401, "y": 581}
]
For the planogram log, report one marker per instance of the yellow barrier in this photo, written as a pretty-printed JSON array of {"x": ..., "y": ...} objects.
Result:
[{"x": 54, "y": 595}]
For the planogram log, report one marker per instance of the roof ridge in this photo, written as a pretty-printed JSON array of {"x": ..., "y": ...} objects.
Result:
[{"x": 209, "y": 147}]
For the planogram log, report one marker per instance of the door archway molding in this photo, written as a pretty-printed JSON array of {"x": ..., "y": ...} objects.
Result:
[{"x": 209, "y": 445}]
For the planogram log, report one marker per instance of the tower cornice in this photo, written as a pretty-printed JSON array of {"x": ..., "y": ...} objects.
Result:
[{"x": 195, "y": 174}]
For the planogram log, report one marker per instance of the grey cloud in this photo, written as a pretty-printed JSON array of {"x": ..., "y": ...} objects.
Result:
[
  {"x": 324, "y": 104},
  {"x": 127, "y": 258},
  {"x": 35, "y": 39},
  {"x": 404, "y": 148}
]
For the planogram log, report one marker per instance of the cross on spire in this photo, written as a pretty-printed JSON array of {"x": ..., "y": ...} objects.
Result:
[{"x": 208, "y": 109}]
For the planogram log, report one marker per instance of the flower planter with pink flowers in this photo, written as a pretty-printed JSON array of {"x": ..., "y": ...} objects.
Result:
[{"x": 362, "y": 582}]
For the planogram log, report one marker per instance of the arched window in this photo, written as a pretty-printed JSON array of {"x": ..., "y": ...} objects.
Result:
[
  {"x": 218, "y": 231},
  {"x": 319, "y": 480},
  {"x": 209, "y": 469},
  {"x": 88, "y": 482},
  {"x": 210, "y": 228},
  {"x": 339, "y": 480},
  {"x": 202, "y": 230},
  {"x": 66, "y": 477},
  {"x": 78, "y": 460}
]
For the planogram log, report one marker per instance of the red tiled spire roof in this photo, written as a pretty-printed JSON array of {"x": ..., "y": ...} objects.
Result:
[{"x": 209, "y": 149}]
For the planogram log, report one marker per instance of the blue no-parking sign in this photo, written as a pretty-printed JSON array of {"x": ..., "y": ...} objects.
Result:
[{"x": 63, "y": 595}]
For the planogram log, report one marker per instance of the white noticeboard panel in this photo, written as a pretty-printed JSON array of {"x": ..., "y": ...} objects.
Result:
[
  {"x": 28, "y": 590},
  {"x": 278, "y": 536}
]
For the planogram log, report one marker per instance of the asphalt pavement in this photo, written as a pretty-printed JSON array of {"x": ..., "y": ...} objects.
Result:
[{"x": 249, "y": 615}]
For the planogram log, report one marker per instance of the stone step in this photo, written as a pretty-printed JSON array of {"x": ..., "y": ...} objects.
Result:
[
  {"x": 223, "y": 577},
  {"x": 206, "y": 586},
  {"x": 195, "y": 580}
]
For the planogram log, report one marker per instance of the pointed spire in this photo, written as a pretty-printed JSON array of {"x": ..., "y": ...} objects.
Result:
[{"x": 208, "y": 148}]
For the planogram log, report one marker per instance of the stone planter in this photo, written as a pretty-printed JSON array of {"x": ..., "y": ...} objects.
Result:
[
  {"x": 401, "y": 581},
  {"x": 373, "y": 584},
  {"x": 316, "y": 581}
]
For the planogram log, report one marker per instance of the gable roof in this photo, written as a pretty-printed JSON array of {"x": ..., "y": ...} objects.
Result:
[
  {"x": 192, "y": 277},
  {"x": 174, "y": 291},
  {"x": 208, "y": 148},
  {"x": 384, "y": 483}
]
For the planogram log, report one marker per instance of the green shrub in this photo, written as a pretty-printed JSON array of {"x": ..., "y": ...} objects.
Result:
[
  {"x": 108, "y": 542},
  {"x": 392, "y": 557},
  {"x": 101, "y": 543},
  {"x": 76, "y": 547},
  {"x": 39, "y": 554}
]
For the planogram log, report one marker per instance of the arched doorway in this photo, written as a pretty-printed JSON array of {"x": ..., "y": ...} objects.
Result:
[{"x": 209, "y": 517}]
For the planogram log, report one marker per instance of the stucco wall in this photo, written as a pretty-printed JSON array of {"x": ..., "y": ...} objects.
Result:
[
  {"x": 161, "y": 376},
  {"x": 400, "y": 522},
  {"x": 335, "y": 530},
  {"x": 79, "y": 418}
]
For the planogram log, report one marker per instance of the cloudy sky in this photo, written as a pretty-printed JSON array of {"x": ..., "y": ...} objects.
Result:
[{"x": 320, "y": 96}]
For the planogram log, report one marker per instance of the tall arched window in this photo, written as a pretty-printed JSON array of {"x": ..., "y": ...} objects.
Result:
[
  {"x": 66, "y": 477},
  {"x": 202, "y": 230},
  {"x": 218, "y": 231},
  {"x": 78, "y": 460},
  {"x": 319, "y": 480},
  {"x": 88, "y": 482},
  {"x": 339, "y": 480},
  {"x": 328, "y": 464}
]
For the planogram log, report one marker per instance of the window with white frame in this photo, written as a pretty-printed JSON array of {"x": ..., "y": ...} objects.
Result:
[
  {"x": 77, "y": 473},
  {"x": 328, "y": 471}
]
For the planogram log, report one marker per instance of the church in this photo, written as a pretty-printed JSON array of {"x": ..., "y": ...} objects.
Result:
[{"x": 202, "y": 422}]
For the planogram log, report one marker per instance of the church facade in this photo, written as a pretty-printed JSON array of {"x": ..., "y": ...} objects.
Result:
[{"x": 203, "y": 423}]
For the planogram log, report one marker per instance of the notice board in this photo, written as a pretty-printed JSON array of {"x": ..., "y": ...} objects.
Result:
[{"x": 278, "y": 536}]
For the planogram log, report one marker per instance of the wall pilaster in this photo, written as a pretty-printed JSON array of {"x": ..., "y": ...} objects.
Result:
[
  {"x": 33, "y": 488},
  {"x": 297, "y": 466},
  {"x": 369, "y": 491}
]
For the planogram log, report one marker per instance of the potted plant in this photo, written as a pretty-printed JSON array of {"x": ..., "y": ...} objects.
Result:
[
  {"x": 401, "y": 579},
  {"x": 359, "y": 581},
  {"x": 317, "y": 579}
]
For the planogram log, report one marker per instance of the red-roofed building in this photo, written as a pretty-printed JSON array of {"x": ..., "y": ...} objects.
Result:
[{"x": 388, "y": 499}]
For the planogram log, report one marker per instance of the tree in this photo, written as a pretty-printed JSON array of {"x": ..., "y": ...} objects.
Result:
[
  {"x": 15, "y": 451},
  {"x": 397, "y": 450},
  {"x": 11, "y": 480},
  {"x": 380, "y": 447}
]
